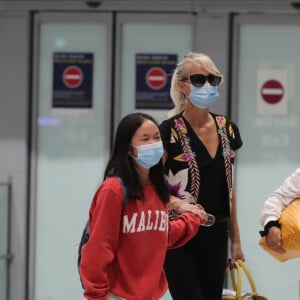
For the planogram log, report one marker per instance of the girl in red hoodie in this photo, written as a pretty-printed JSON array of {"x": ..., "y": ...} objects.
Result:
[{"x": 124, "y": 256}]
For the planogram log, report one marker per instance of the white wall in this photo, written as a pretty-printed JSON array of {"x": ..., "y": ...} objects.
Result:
[{"x": 14, "y": 114}]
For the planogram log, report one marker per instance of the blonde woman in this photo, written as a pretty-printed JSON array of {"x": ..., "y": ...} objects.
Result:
[{"x": 199, "y": 156}]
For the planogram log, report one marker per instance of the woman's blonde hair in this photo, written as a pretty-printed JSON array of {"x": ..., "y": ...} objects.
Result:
[{"x": 179, "y": 74}]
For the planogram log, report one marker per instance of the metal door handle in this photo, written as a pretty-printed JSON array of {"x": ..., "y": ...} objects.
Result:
[{"x": 7, "y": 257}]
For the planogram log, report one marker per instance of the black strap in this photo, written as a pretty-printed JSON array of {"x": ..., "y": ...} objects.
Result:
[{"x": 268, "y": 226}]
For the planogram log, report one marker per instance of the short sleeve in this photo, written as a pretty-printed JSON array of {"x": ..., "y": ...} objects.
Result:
[
  {"x": 165, "y": 132},
  {"x": 234, "y": 136}
]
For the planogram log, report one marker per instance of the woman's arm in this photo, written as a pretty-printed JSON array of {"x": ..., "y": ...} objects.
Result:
[
  {"x": 275, "y": 203},
  {"x": 182, "y": 229},
  {"x": 280, "y": 198},
  {"x": 234, "y": 234},
  {"x": 181, "y": 207}
]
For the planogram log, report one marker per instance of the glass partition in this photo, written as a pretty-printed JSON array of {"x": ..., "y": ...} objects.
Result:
[
  {"x": 73, "y": 130},
  {"x": 4, "y": 239},
  {"x": 156, "y": 53},
  {"x": 267, "y": 106}
]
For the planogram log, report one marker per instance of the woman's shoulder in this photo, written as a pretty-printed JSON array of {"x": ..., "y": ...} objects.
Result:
[
  {"x": 167, "y": 125},
  {"x": 232, "y": 130},
  {"x": 223, "y": 120},
  {"x": 297, "y": 171},
  {"x": 170, "y": 121},
  {"x": 165, "y": 129}
]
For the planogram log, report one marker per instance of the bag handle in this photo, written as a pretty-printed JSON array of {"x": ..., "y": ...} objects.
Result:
[{"x": 237, "y": 284}]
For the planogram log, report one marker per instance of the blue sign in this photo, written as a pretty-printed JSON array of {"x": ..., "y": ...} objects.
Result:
[
  {"x": 153, "y": 80},
  {"x": 72, "y": 80}
]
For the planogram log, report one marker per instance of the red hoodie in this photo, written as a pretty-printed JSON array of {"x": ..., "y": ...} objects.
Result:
[{"x": 126, "y": 250}]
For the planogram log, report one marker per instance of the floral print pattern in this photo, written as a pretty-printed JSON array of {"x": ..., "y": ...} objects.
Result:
[{"x": 177, "y": 185}]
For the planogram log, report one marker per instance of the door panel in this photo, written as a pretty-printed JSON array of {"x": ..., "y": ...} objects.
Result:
[
  {"x": 73, "y": 131},
  {"x": 268, "y": 118},
  {"x": 5, "y": 231},
  {"x": 161, "y": 34},
  {"x": 166, "y": 35},
  {"x": 72, "y": 144}
]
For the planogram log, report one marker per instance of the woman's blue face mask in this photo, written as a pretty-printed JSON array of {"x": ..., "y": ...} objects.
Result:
[{"x": 204, "y": 96}]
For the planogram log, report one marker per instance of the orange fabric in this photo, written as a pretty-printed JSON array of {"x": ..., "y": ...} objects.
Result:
[{"x": 290, "y": 233}]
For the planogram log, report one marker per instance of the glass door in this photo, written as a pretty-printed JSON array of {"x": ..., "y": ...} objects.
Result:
[
  {"x": 5, "y": 232},
  {"x": 149, "y": 47},
  {"x": 266, "y": 73},
  {"x": 90, "y": 70},
  {"x": 71, "y": 123}
]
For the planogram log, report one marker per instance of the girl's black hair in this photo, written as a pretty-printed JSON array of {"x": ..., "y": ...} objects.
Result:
[{"x": 121, "y": 164}]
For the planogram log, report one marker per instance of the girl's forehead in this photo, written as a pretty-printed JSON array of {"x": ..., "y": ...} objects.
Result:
[
  {"x": 148, "y": 124},
  {"x": 147, "y": 127}
]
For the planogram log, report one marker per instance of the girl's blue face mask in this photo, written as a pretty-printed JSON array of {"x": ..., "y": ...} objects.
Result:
[
  {"x": 204, "y": 96},
  {"x": 149, "y": 155}
]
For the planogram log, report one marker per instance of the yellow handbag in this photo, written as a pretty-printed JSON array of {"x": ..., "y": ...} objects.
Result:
[
  {"x": 290, "y": 233},
  {"x": 236, "y": 293}
]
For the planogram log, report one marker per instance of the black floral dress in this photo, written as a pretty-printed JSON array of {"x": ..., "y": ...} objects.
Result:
[{"x": 195, "y": 177}]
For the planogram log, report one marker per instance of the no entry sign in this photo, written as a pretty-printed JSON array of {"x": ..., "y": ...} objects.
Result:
[
  {"x": 272, "y": 91},
  {"x": 153, "y": 79},
  {"x": 156, "y": 78},
  {"x": 72, "y": 77}
]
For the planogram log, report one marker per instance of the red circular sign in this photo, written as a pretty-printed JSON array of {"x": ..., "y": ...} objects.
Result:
[
  {"x": 272, "y": 91},
  {"x": 72, "y": 77},
  {"x": 156, "y": 78}
]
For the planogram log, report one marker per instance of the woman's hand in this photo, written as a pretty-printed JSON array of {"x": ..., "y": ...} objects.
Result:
[
  {"x": 195, "y": 209},
  {"x": 236, "y": 253},
  {"x": 181, "y": 207},
  {"x": 234, "y": 234},
  {"x": 273, "y": 239}
]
